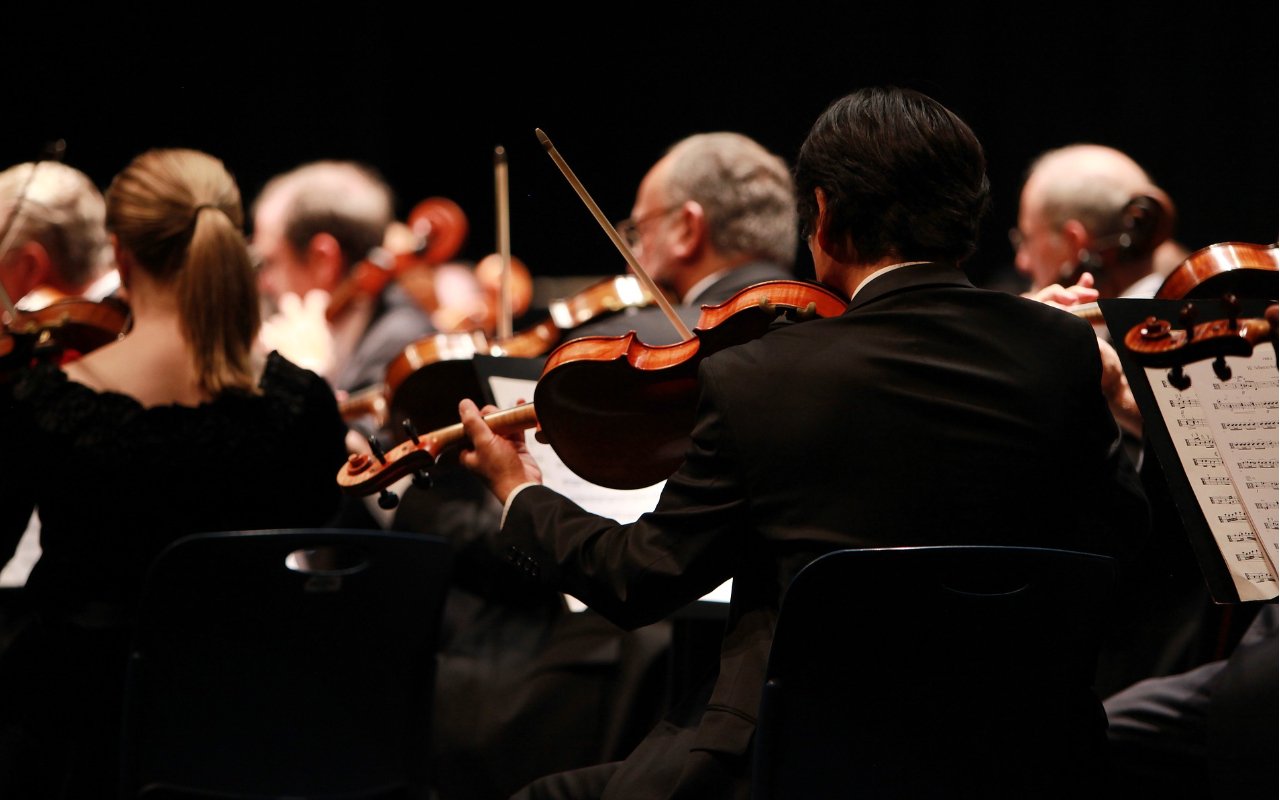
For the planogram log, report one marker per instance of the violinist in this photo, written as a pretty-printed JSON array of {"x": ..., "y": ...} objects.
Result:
[
  {"x": 1091, "y": 218},
  {"x": 57, "y": 242},
  {"x": 311, "y": 226},
  {"x": 1075, "y": 203},
  {"x": 54, "y": 218},
  {"x": 925, "y": 414},
  {"x": 713, "y": 216},
  {"x": 175, "y": 428},
  {"x": 731, "y": 224}
]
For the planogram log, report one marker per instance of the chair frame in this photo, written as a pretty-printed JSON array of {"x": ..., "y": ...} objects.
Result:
[{"x": 290, "y": 662}]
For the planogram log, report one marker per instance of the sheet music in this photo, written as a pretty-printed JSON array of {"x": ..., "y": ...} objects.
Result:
[
  {"x": 1225, "y": 434},
  {"x": 619, "y": 504},
  {"x": 623, "y": 505}
]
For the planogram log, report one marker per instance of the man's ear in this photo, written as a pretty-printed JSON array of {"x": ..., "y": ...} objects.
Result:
[
  {"x": 839, "y": 249},
  {"x": 325, "y": 261},
  {"x": 1076, "y": 236},
  {"x": 29, "y": 268},
  {"x": 693, "y": 234}
]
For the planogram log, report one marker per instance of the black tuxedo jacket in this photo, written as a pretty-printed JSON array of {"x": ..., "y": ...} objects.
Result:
[{"x": 931, "y": 412}]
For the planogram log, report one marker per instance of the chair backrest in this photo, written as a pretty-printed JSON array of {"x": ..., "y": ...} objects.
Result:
[
  {"x": 285, "y": 663},
  {"x": 928, "y": 672}
]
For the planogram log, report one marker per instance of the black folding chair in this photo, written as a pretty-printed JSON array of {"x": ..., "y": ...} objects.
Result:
[
  {"x": 936, "y": 672},
  {"x": 285, "y": 663}
]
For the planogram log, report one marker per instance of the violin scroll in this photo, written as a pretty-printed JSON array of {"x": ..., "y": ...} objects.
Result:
[
  {"x": 364, "y": 474},
  {"x": 1159, "y": 343}
]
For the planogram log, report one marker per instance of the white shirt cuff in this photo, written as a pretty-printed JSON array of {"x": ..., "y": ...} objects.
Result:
[{"x": 507, "y": 505}]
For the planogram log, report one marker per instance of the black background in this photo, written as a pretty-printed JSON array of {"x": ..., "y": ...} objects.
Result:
[{"x": 424, "y": 95}]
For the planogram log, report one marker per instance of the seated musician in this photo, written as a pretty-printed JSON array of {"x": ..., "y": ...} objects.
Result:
[
  {"x": 175, "y": 428},
  {"x": 311, "y": 226},
  {"x": 714, "y": 215},
  {"x": 54, "y": 222},
  {"x": 1075, "y": 204},
  {"x": 925, "y": 414},
  {"x": 57, "y": 241}
]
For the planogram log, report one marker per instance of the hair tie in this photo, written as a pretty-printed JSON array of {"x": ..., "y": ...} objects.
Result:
[{"x": 195, "y": 213}]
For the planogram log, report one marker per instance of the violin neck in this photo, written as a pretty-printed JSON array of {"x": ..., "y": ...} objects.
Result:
[
  {"x": 508, "y": 420},
  {"x": 1087, "y": 311},
  {"x": 370, "y": 401}
]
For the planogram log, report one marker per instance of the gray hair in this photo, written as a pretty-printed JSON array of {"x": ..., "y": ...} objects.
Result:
[
  {"x": 746, "y": 192},
  {"x": 64, "y": 212},
  {"x": 1091, "y": 183}
]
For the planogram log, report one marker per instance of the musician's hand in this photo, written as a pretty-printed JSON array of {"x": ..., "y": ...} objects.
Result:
[
  {"x": 1065, "y": 296},
  {"x": 504, "y": 462},
  {"x": 300, "y": 331},
  {"x": 1115, "y": 387}
]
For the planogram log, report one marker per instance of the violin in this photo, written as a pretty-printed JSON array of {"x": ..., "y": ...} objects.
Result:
[
  {"x": 618, "y": 412},
  {"x": 1245, "y": 270},
  {"x": 61, "y": 330},
  {"x": 1159, "y": 343},
  {"x": 436, "y": 230}
]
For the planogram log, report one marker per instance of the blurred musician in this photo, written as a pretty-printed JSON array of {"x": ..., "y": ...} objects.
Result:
[
  {"x": 311, "y": 226},
  {"x": 57, "y": 239},
  {"x": 54, "y": 222}
]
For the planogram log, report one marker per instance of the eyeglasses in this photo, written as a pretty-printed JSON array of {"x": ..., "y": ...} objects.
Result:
[
  {"x": 629, "y": 228},
  {"x": 1017, "y": 238}
]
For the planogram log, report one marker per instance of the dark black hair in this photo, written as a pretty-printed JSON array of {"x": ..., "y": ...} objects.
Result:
[{"x": 902, "y": 175}]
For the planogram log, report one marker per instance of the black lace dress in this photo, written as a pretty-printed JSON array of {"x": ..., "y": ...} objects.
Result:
[{"x": 113, "y": 483}]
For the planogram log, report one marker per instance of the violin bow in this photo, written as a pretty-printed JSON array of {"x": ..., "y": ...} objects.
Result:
[
  {"x": 504, "y": 242},
  {"x": 652, "y": 287}
]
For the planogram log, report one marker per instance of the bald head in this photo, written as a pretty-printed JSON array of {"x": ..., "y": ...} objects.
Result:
[
  {"x": 1078, "y": 213},
  {"x": 1088, "y": 182}
]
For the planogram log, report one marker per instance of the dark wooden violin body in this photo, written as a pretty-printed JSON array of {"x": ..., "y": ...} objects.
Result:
[
  {"x": 1244, "y": 270},
  {"x": 616, "y": 411},
  {"x": 62, "y": 330},
  {"x": 641, "y": 398}
]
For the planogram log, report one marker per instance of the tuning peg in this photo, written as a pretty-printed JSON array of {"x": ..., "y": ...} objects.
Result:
[
  {"x": 1231, "y": 304},
  {"x": 378, "y": 451},
  {"x": 410, "y": 429},
  {"x": 1187, "y": 316},
  {"x": 1221, "y": 368},
  {"x": 388, "y": 499},
  {"x": 1179, "y": 379}
]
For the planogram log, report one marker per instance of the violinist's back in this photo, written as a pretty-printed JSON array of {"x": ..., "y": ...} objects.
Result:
[
  {"x": 176, "y": 428},
  {"x": 913, "y": 418}
]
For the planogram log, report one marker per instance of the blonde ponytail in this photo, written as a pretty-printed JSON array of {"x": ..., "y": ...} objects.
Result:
[{"x": 179, "y": 213}]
